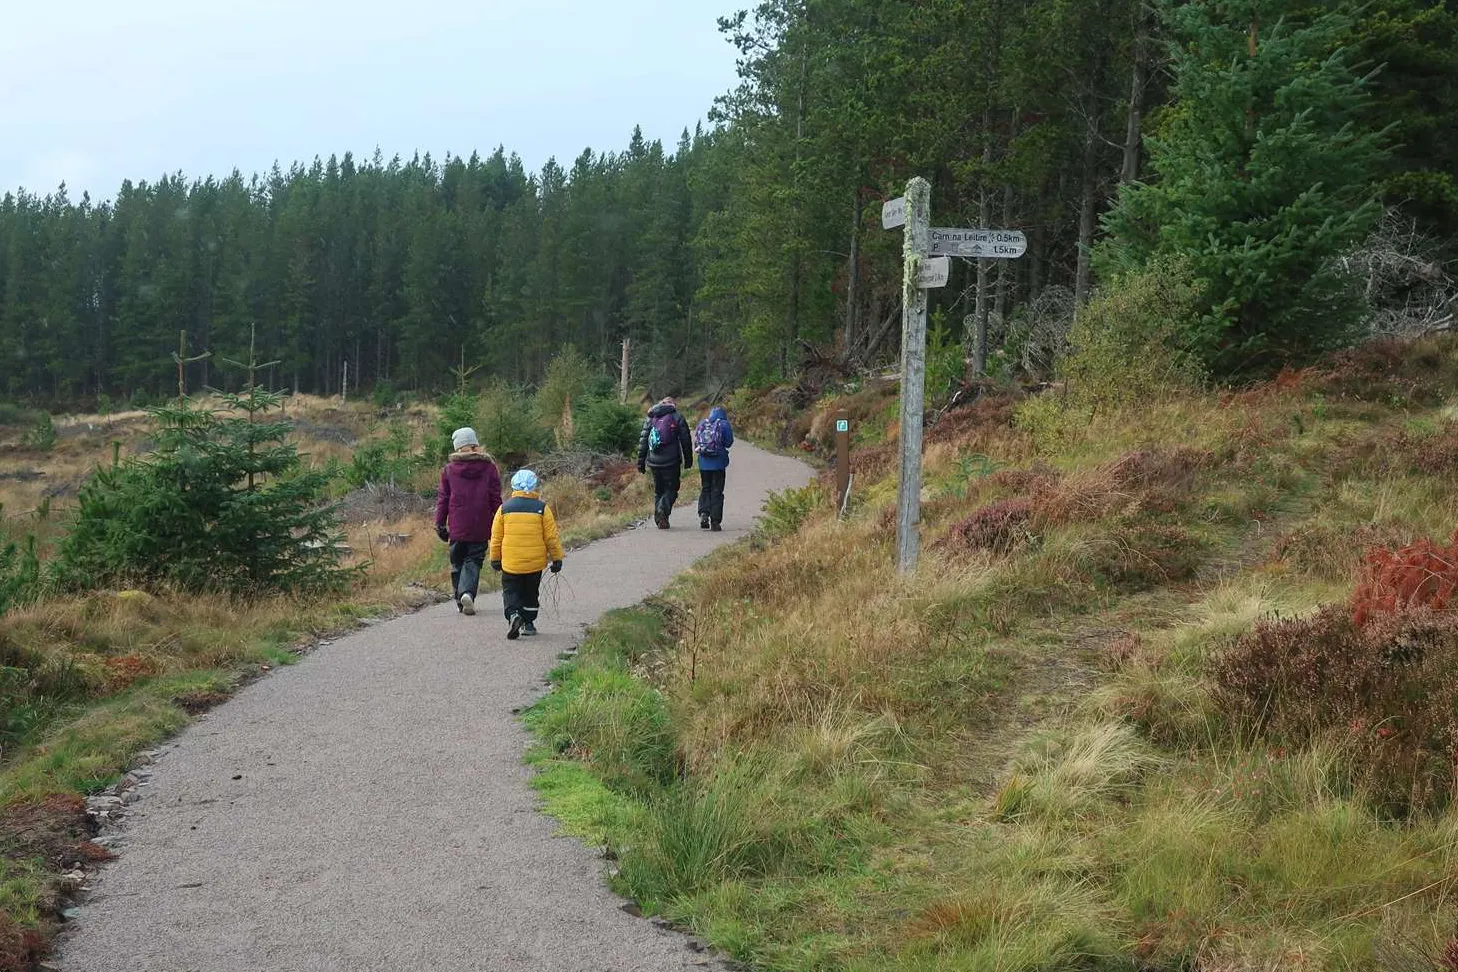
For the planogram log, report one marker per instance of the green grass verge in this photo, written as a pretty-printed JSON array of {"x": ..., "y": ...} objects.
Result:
[{"x": 1017, "y": 760}]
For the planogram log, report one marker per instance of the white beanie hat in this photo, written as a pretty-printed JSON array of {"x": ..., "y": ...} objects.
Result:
[
  {"x": 525, "y": 481},
  {"x": 461, "y": 438}
]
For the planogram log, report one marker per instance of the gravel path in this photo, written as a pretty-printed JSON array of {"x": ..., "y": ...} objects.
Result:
[{"x": 367, "y": 808}]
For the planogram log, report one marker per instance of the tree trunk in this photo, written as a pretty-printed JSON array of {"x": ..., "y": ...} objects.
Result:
[
  {"x": 853, "y": 279},
  {"x": 1133, "y": 132},
  {"x": 1004, "y": 268},
  {"x": 623, "y": 374},
  {"x": 984, "y": 219},
  {"x": 793, "y": 334},
  {"x": 1087, "y": 211},
  {"x": 795, "y": 281}
]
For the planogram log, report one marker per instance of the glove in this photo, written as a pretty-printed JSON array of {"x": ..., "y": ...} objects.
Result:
[
  {"x": 556, "y": 566},
  {"x": 496, "y": 566},
  {"x": 642, "y": 468},
  {"x": 443, "y": 533}
]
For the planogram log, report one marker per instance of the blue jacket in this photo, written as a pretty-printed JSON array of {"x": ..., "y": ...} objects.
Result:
[{"x": 721, "y": 461}]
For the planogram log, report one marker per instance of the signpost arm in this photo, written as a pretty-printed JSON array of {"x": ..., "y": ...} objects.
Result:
[{"x": 913, "y": 372}]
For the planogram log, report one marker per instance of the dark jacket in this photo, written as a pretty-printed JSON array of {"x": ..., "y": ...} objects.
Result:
[
  {"x": 469, "y": 496},
  {"x": 720, "y": 461},
  {"x": 680, "y": 450}
]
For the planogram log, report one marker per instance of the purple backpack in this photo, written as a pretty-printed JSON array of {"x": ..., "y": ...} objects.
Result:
[
  {"x": 664, "y": 431},
  {"x": 709, "y": 438}
]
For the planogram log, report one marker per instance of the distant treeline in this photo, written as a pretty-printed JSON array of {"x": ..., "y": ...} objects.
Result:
[{"x": 751, "y": 246}]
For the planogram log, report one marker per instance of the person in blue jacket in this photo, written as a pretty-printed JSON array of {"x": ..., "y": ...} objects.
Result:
[{"x": 712, "y": 440}]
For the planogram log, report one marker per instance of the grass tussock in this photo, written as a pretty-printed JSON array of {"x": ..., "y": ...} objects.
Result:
[{"x": 1109, "y": 722}]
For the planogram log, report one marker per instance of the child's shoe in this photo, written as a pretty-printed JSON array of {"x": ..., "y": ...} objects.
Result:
[
  {"x": 529, "y": 629},
  {"x": 514, "y": 631},
  {"x": 467, "y": 604},
  {"x": 716, "y": 528},
  {"x": 703, "y": 521}
]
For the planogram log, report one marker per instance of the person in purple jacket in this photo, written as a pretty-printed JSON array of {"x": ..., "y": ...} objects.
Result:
[{"x": 465, "y": 506}]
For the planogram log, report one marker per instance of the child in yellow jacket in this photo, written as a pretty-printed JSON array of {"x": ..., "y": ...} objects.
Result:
[{"x": 523, "y": 541}]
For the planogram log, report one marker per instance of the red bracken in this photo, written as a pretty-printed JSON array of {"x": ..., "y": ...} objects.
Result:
[{"x": 1421, "y": 574}]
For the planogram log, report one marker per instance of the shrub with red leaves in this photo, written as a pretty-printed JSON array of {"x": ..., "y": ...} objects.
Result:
[
  {"x": 1385, "y": 451},
  {"x": 999, "y": 526},
  {"x": 124, "y": 670},
  {"x": 1387, "y": 688},
  {"x": 1038, "y": 478},
  {"x": 20, "y": 948},
  {"x": 1422, "y": 574},
  {"x": 871, "y": 464},
  {"x": 1138, "y": 556},
  {"x": 1172, "y": 468},
  {"x": 1330, "y": 552},
  {"x": 1415, "y": 372},
  {"x": 1448, "y": 961},
  {"x": 969, "y": 425},
  {"x": 1435, "y": 455}
]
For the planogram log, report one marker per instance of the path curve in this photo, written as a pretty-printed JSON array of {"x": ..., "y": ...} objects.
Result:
[{"x": 367, "y": 809}]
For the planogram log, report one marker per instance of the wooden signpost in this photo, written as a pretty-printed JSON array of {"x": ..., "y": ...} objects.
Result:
[
  {"x": 913, "y": 371},
  {"x": 925, "y": 253}
]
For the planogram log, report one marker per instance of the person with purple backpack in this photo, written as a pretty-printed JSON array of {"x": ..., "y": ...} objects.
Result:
[
  {"x": 712, "y": 439},
  {"x": 664, "y": 441}
]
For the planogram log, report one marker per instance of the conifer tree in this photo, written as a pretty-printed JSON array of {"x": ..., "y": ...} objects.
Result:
[
  {"x": 222, "y": 505},
  {"x": 1263, "y": 176}
]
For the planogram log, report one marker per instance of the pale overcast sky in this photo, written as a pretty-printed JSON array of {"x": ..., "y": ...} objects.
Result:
[{"x": 94, "y": 91}]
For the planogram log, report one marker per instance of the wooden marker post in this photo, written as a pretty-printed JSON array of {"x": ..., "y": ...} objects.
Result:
[{"x": 842, "y": 459}]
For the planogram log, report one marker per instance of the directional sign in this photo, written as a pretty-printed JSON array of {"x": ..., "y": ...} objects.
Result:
[
  {"x": 986, "y": 244},
  {"x": 893, "y": 213},
  {"x": 934, "y": 272},
  {"x": 842, "y": 425}
]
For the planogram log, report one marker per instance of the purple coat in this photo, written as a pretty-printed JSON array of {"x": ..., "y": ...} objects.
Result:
[{"x": 469, "y": 496}]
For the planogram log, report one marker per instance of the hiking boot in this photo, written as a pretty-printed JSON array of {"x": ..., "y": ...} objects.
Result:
[
  {"x": 467, "y": 604},
  {"x": 514, "y": 631},
  {"x": 703, "y": 521},
  {"x": 716, "y": 528},
  {"x": 663, "y": 523},
  {"x": 529, "y": 629},
  {"x": 457, "y": 599},
  {"x": 658, "y": 519}
]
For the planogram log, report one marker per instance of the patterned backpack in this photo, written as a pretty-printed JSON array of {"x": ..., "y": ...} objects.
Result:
[{"x": 709, "y": 438}]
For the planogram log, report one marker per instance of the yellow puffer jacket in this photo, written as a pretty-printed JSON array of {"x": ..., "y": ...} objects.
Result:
[{"x": 524, "y": 535}]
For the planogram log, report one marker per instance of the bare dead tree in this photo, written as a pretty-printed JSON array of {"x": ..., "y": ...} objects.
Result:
[
  {"x": 1041, "y": 330},
  {"x": 180, "y": 356},
  {"x": 1402, "y": 279}
]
